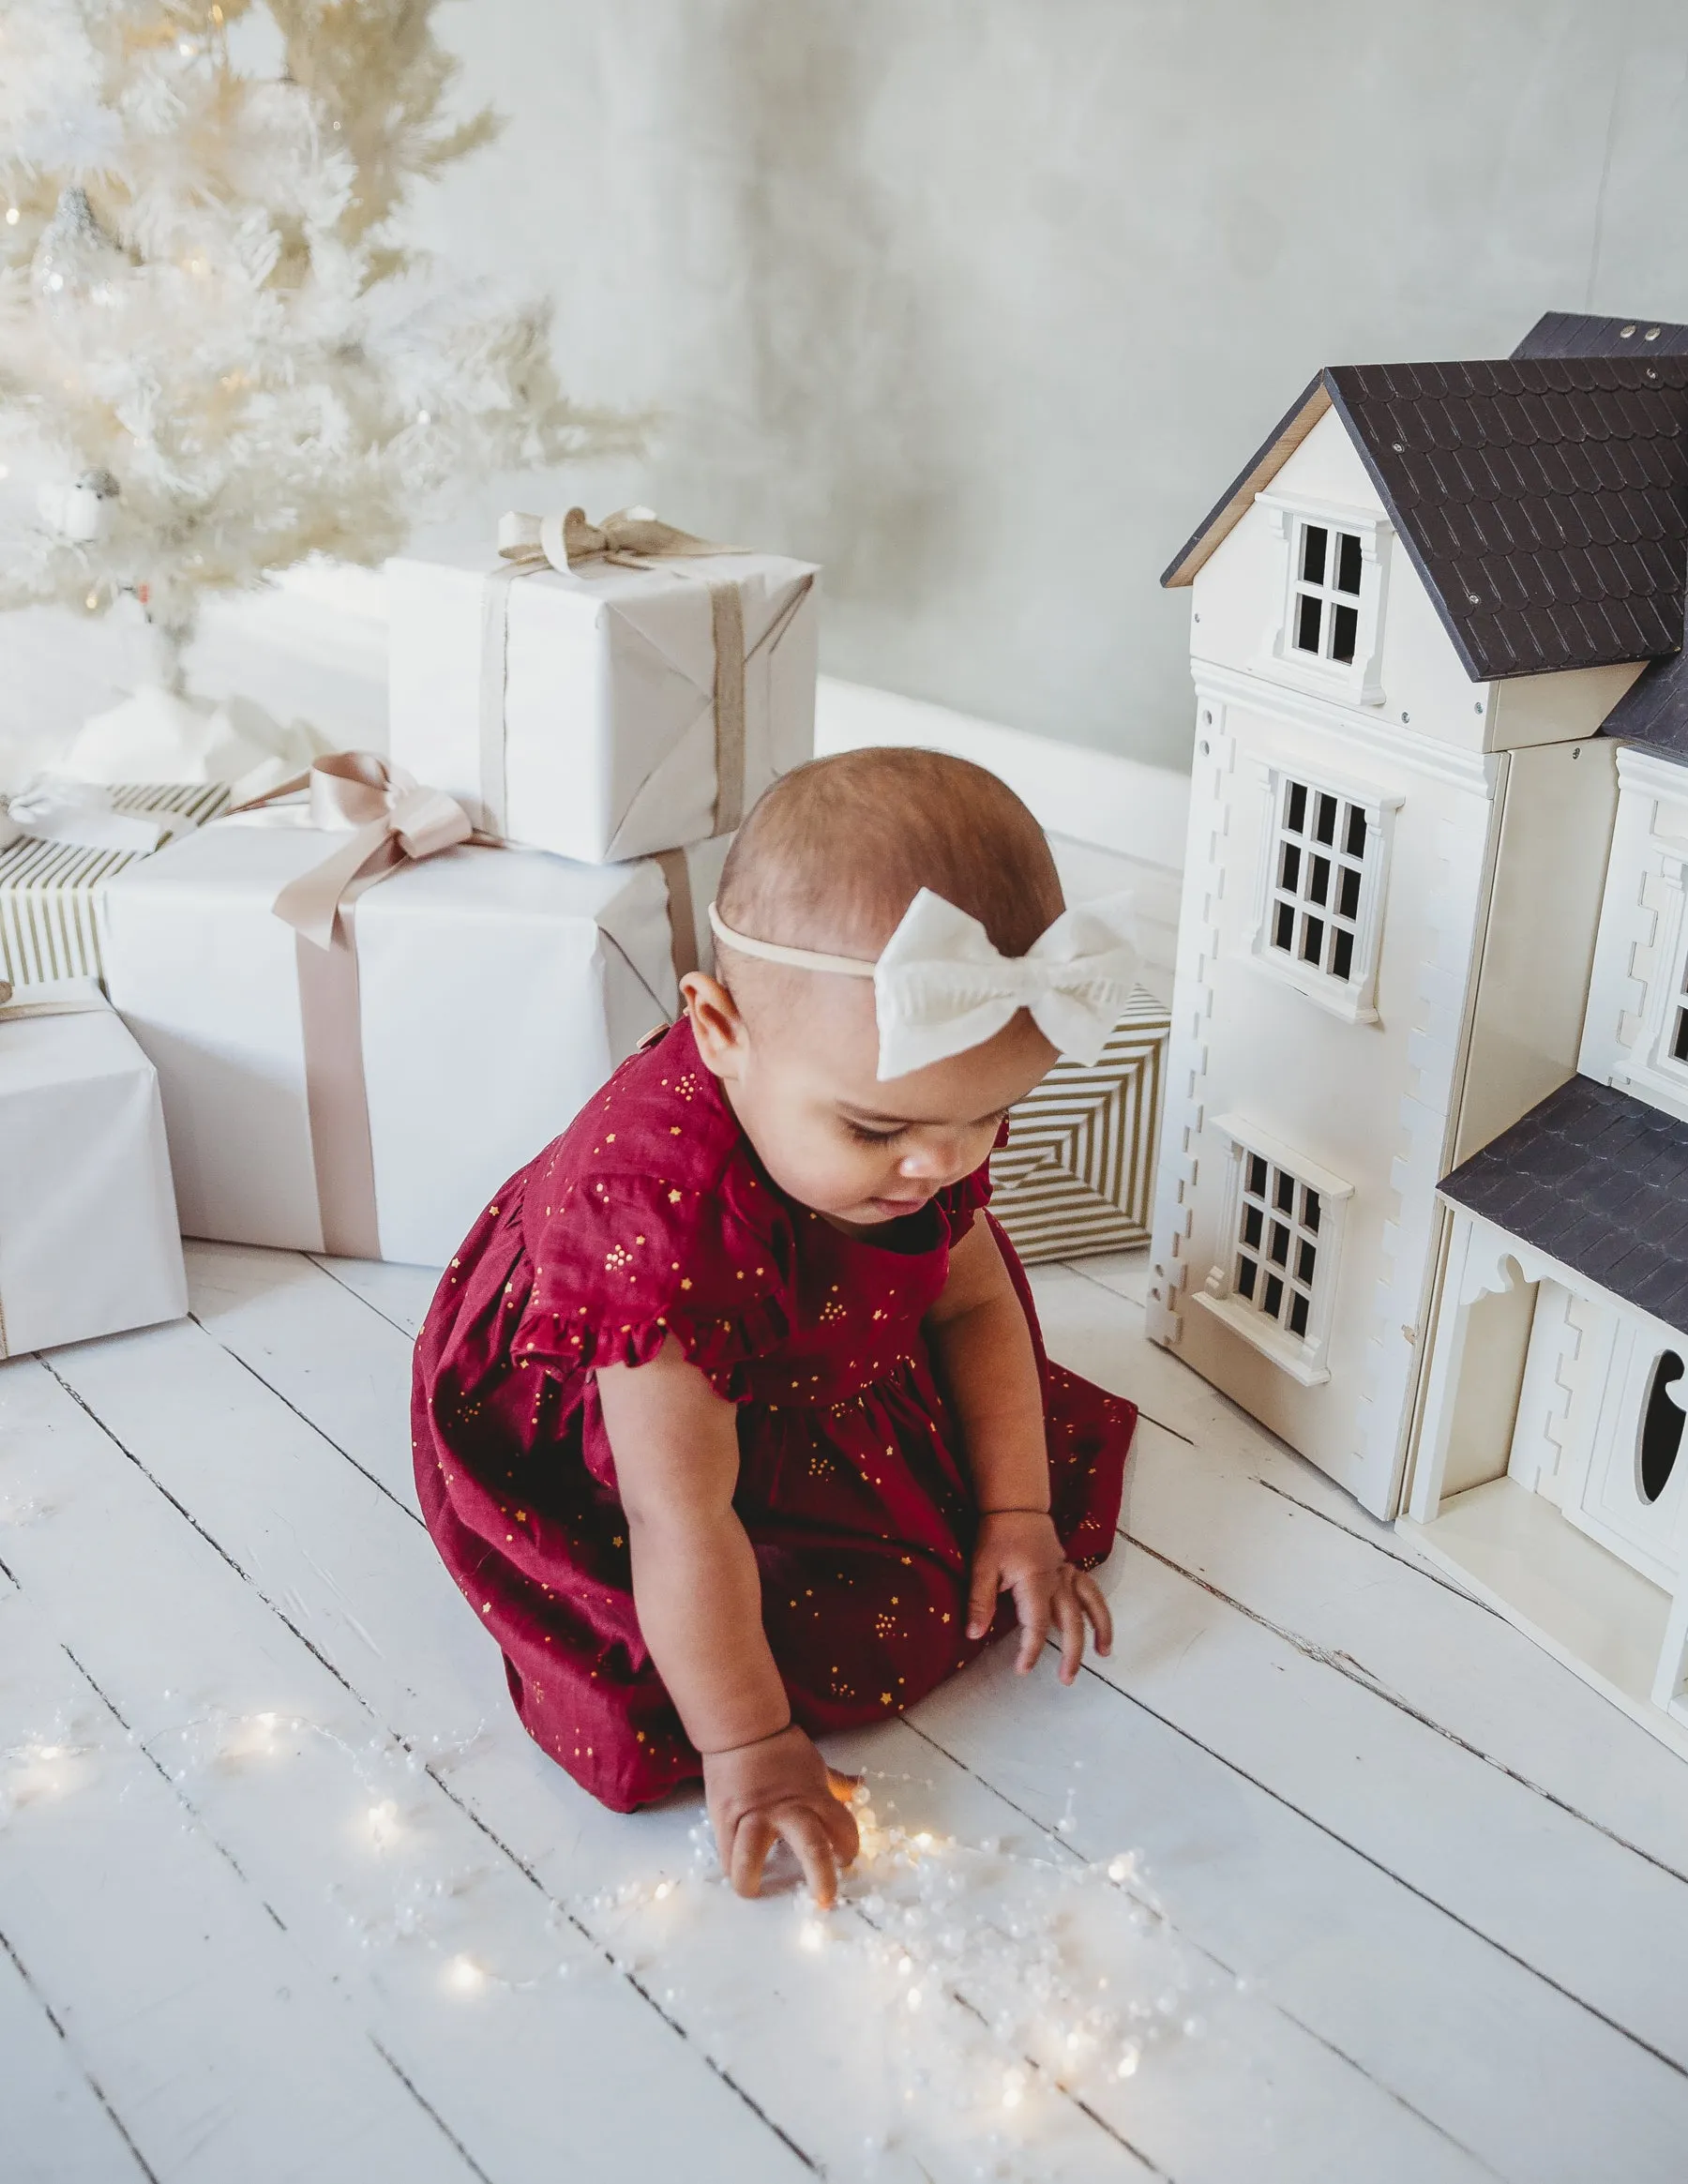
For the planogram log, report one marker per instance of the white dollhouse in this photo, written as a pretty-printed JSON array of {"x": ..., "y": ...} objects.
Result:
[{"x": 1420, "y": 857}]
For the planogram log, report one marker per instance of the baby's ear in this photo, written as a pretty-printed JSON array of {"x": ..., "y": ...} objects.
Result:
[{"x": 716, "y": 1024}]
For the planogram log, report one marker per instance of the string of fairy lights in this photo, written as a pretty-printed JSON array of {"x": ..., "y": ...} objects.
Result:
[{"x": 1002, "y": 1990}]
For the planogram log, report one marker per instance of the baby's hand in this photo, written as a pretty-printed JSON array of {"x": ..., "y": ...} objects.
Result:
[
  {"x": 781, "y": 1788},
  {"x": 1019, "y": 1552}
]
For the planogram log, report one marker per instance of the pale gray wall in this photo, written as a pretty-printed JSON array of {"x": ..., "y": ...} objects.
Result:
[{"x": 981, "y": 301}]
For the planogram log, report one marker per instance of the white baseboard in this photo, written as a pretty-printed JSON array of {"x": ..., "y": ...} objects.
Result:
[{"x": 1119, "y": 805}]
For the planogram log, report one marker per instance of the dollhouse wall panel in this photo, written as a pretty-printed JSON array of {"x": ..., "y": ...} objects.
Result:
[
  {"x": 1638, "y": 986},
  {"x": 1369, "y": 1102},
  {"x": 1556, "y": 806},
  {"x": 1240, "y": 598},
  {"x": 1559, "y": 708}
]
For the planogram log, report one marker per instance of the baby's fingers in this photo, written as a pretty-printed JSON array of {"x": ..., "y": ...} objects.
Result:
[
  {"x": 752, "y": 1839},
  {"x": 1070, "y": 1619},
  {"x": 1090, "y": 1600},
  {"x": 982, "y": 1594},
  {"x": 1031, "y": 1598},
  {"x": 808, "y": 1836}
]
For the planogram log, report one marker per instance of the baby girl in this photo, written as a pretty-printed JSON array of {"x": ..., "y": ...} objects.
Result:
[{"x": 731, "y": 1417}]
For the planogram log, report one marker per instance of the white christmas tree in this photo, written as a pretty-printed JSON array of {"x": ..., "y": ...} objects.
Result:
[{"x": 217, "y": 357}]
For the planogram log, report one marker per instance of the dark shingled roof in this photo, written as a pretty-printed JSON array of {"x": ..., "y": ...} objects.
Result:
[
  {"x": 1543, "y": 500},
  {"x": 1598, "y": 1181},
  {"x": 1654, "y": 709},
  {"x": 1574, "y": 334}
]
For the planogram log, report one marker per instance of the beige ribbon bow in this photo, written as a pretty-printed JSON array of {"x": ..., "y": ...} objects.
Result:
[
  {"x": 389, "y": 820},
  {"x": 392, "y": 818},
  {"x": 631, "y": 538}
]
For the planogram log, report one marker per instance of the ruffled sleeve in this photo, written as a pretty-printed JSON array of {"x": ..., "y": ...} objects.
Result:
[
  {"x": 959, "y": 1202},
  {"x": 625, "y": 1260}
]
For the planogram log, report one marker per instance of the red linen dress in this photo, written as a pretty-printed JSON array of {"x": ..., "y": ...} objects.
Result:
[{"x": 651, "y": 1215}]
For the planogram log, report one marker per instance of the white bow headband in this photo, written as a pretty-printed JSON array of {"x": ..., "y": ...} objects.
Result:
[{"x": 940, "y": 987}]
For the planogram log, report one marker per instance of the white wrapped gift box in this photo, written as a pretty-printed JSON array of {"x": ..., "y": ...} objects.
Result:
[
  {"x": 492, "y": 992},
  {"x": 88, "y": 1237},
  {"x": 577, "y": 708}
]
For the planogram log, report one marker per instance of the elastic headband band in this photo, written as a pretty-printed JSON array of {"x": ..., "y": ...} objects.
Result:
[{"x": 798, "y": 959}]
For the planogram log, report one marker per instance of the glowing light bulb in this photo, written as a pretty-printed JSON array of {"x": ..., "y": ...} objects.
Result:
[
  {"x": 661, "y": 1890},
  {"x": 1013, "y": 2088},
  {"x": 13, "y": 215},
  {"x": 55, "y": 281},
  {"x": 384, "y": 1823},
  {"x": 923, "y": 1840},
  {"x": 1119, "y": 1869},
  {"x": 424, "y": 417},
  {"x": 91, "y": 601},
  {"x": 905, "y": 1964},
  {"x": 913, "y": 1998},
  {"x": 811, "y": 1935},
  {"x": 465, "y": 1976},
  {"x": 1126, "y": 2066}
]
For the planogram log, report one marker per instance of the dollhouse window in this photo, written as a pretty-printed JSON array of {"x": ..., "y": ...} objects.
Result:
[
  {"x": 1319, "y": 913},
  {"x": 1329, "y": 632},
  {"x": 1325, "y": 619},
  {"x": 1281, "y": 1228}
]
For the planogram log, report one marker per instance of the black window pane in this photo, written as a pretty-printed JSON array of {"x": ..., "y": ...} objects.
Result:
[
  {"x": 1283, "y": 930},
  {"x": 1312, "y": 947},
  {"x": 1257, "y": 1175},
  {"x": 1342, "y": 952},
  {"x": 1307, "y": 622},
  {"x": 1274, "y": 1295},
  {"x": 1295, "y": 808},
  {"x": 1246, "y": 1271},
  {"x": 1661, "y": 1427},
  {"x": 1305, "y": 1260},
  {"x": 1325, "y": 824},
  {"x": 1315, "y": 540},
  {"x": 1280, "y": 1244},
  {"x": 1298, "y": 1313},
  {"x": 1345, "y": 633},
  {"x": 1679, "y": 1046},
  {"x": 1310, "y": 1212},
  {"x": 1289, "y": 867},
  {"x": 1254, "y": 1221},
  {"x": 1318, "y": 881},
  {"x": 1284, "y": 1197},
  {"x": 1348, "y": 562},
  {"x": 1348, "y": 901},
  {"x": 1355, "y": 842}
]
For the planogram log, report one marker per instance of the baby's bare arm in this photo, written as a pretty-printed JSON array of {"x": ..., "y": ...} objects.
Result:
[
  {"x": 984, "y": 1346},
  {"x": 698, "y": 1593}
]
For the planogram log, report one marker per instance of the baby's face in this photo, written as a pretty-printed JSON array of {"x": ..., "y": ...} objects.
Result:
[{"x": 832, "y": 1136}]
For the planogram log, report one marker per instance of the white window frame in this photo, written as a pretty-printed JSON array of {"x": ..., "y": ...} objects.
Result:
[
  {"x": 1353, "y": 999},
  {"x": 1357, "y": 681},
  {"x": 1302, "y": 1356},
  {"x": 1667, "y": 1003}
]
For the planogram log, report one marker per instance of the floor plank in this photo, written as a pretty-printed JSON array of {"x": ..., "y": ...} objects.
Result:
[
  {"x": 216, "y": 2046},
  {"x": 59, "y": 2128}
]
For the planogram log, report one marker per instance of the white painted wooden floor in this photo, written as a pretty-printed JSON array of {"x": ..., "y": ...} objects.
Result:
[{"x": 285, "y": 1894}]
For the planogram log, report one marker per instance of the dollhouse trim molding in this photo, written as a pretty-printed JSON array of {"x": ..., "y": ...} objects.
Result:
[{"x": 1360, "y": 730}]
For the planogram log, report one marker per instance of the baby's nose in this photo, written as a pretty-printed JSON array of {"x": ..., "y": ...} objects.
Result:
[{"x": 938, "y": 1160}]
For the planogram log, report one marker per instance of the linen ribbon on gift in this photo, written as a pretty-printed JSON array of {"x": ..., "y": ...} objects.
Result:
[
  {"x": 53, "y": 808},
  {"x": 389, "y": 820},
  {"x": 631, "y": 538},
  {"x": 941, "y": 987}
]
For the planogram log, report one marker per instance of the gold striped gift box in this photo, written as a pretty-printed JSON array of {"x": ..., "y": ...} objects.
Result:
[
  {"x": 48, "y": 928},
  {"x": 1076, "y": 1175}
]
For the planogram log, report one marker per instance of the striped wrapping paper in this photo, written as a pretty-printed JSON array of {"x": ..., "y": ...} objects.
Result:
[
  {"x": 1076, "y": 1175},
  {"x": 48, "y": 928}
]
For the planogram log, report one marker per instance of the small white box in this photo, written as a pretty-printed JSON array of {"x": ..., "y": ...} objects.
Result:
[
  {"x": 495, "y": 991},
  {"x": 88, "y": 1237},
  {"x": 607, "y": 744}
]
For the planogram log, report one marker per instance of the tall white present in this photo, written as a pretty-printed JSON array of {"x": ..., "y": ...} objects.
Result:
[
  {"x": 88, "y": 1237},
  {"x": 603, "y": 691},
  {"x": 60, "y": 841},
  {"x": 366, "y": 1096}
]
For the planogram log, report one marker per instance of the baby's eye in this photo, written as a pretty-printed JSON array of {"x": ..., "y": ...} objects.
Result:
[{"x": 871, "y": 1136}]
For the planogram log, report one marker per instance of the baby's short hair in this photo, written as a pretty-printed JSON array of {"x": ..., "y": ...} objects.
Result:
[{"x": 833, "y": 853}]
